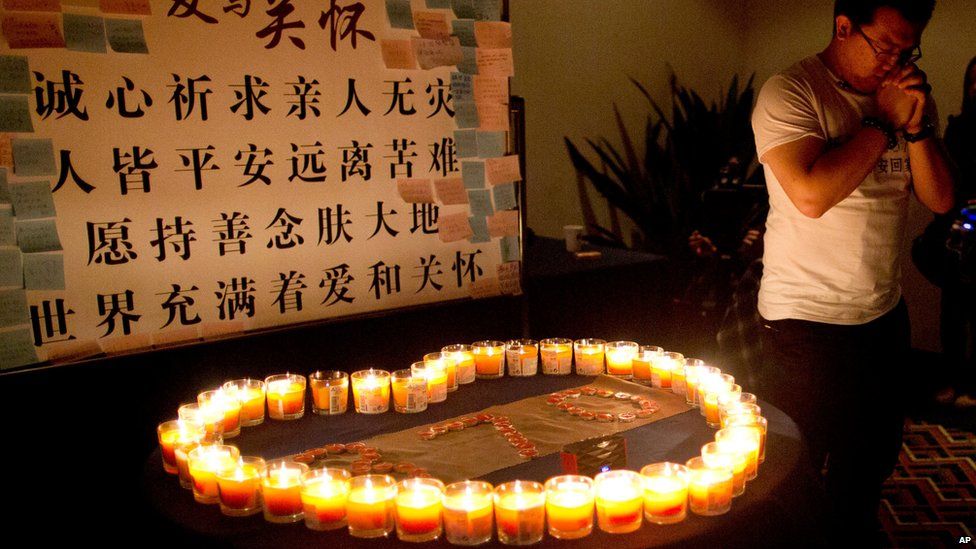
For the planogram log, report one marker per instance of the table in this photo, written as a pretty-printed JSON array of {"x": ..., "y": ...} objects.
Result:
[{"x": 776, "y": 509}]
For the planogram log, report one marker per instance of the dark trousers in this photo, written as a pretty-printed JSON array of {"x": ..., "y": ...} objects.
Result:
[{"x": 844, "y": 386}]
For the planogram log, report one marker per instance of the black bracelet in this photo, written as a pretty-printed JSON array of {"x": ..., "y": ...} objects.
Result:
[
  {"x": 928, "y": 129},
  {"x": 876, "y": 123}
]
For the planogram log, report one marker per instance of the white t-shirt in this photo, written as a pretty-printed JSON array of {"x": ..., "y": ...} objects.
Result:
[{"x": 843, "y": 268}]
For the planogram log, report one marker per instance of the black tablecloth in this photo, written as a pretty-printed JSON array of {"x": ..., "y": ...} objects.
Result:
[{"x": 777, "y": 508}]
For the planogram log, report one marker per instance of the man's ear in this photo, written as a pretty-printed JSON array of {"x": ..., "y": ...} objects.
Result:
[{"x": 843, "y": 27}]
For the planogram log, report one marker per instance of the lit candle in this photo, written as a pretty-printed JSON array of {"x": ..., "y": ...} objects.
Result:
[
  {"x": 522, "y": 357},
  {"x": 721, "y": 457},
  {"x": 757, "y": 422},
  {"x": 557, "y": 356},
  {"x": 203, "y": 462},
  {"x": 709, "y": 489},
  {"x": 436, "y": 380},
  {"x": 569, "y": 506},
  {"x": 663, "y": 368},
  {"x": 251, "y": 394},
  {"x": 371, "y": 391},
  {"x": 286, "y": 396},
  {"x": 446, "y": 362},
  {"x": 210, "y": 418},
  {"x": 678, "y": 384},
  {"x": 225, "y": 404},
  {"x": 692, "y": 375},
  {"x": 741, "y": 409},
  {"x": 240, "y": 487},
  {"x": 282, "y": 489},
  {"x": 182, "y": 451},
  {"x": 643, "y": 363},
  {"x": 620, "y": 358},
  {"x": 520, "y": 512},
  {"x": 324, "y": 493},
  {"x": 619, "y": 501},
  {"x": 489, "y": 359},
  {"x": 589, "y": 355},
  {"x": 665, "y": 492},
  {"x": 731, "y": 400},
  {"x": 468, "y": 512},
  {"x": 418, "y": 509},
  {"x": 464, "y": 358},
  {"x": 170, "y": 434},
  {"x": 742, "y": 440},
  {"x": 330, "y": 392},
  {"x": 370, "y": 508},
  {"x": 711, "y": 390}
]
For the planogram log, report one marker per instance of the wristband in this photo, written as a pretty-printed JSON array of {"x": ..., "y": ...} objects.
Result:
[
  {"x": 872, "y": 122},
  {"x": 928, "y": 129}
]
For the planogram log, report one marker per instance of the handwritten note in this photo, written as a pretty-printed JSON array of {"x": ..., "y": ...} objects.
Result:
[
  {"x": 127, "y": 7},
  {"x": 495, "y": 62},
  {"x": 480, "y": 200},
  {"x": 398, "y": 54},
  {"x": 505, "y": 197},
  {"x": 504, "y": 223},
  {"x": 38, "y": 235},
  {"x": 485, "y": 287},
  {"x": 415, "y": 190},
  {"x": 14, "y": 76},
  {"x": 126, "y": 36},
  {"x": 504, "y": 169},
  {"x": 492, "y": 144},
  {"x": 12, "y": 267},
  {"x": 493, "y": 117},
  {"x": 13, "y": 307},
  {"x": 399, "y": 14},
  {"x": 464, "y": 30},
  {"x": 32, "y": 199},
  {"x": 510, "y": 248},
  {"x": 490, "y": 89},
  {"x": 33, "y": 157},
  {"x": 17, "y": 348},
  {"x": 462, "y": 87},
  {"x": 8, "y": 231},
  {"x": 479, "y": 230},
  {"x": 488, "y": 10},
  {"x": 473, "y": 173},
  {"x": 32, "y": 30},
  {"x": 453, "y": 227},
  {"x": 510, "y": 278},
  {"x": 451, "y": 191},
  {"x": 15, "y": 114},
  {"x": 431, "y": 24},
  {"x": 32, "y": 5},
  {"x": 466, "y": 142},
  {"x": 44, "y": 271},
  {"x": 436, "y": 52},
  {"x": 469, "y": 60},
  {"x": 493, "y": 34},
  {"x": 6, "y": 151},
  {"x": 466, "y": 114},
  {"x": 84, "y": 33},
  {"x": 4, "y": 188},
  {"x": 463, "y": 9}
]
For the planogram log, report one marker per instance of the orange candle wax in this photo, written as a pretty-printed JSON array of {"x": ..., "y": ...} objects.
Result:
[
  {"x": 252, "y": 404},
  {"x": 665, "y": 497},
  {"x": 370, "y": 509},
  {"x": 557, "y": 358},
  {"x": 285, "y": 398},
  {"x": 240, "y": 488},
  {"x": 467, "y": 518},
  {"x": 569, "y": 512},
  {"x": 620, "y": 505},
  {"x": 489, "y": 362},
  {"x": 326, "y": 502},
  {"x": 418, "y": 510},
  {"x": 282, "y": 490},
  {"x": 521, "y": 515}
]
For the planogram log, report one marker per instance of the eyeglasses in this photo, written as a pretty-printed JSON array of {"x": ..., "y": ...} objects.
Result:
[{"x": 901, "y": 58}]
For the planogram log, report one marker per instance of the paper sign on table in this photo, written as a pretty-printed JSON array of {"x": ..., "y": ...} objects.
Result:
[
  {"x": 466, "y": 143},
  {"x": 398, "y": 54},
  {"x": 480, "y": 201},
  {"x": 464, "y": 30},
  {"x": 127, "y": 7},
  {"x": 15, "y": 115},
  {"x": 505, "y": 197},
  {"x": 453, "y": 227},
  {"x": 437, "y": 53},
  {"x": 84, "y": 33},
  {"x": 473, "y": 173},
  {"x": 44, "y": 271},
  {"x": 12, "y": 266},
  {"x": 493, "y": 34},
  {"x": 32, "y": 199},
  {"x": 490, "y": 89},
  {"x": 479, "y": 230},
  {"x": 415, "y": 190},
  {"x": 399, "y": 13},
  {"x": 493, "y": 117},
  {"x": 504, "y": 223},
  {"x": 80, "y": 3},
  {"x": 33, "y": 157},
  {"x": 495, "y": 62},
  {"x": 14, "y": 75},
  {"x": 503, "y": 169},
  {"x": 38, "y": 235},
  {"x": 451, "y": 191},
  {"x": 126, "y": 36},
  {"x": 32, "y": 30},
  {"x": 431, "y": 24},
  {"x": 13, "y": 307},
  {"x": 17, "y": 348}
]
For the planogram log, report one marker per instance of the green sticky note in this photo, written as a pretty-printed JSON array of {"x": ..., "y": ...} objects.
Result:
[
  {"x": 505, "y": 197},
  {"x": 479, "y": 228},
  {"x": 480, "y": 201},
  {"x": 4, "y": 189},
  {"x": 8, "y": 233},
  {"x": 32, "y": 199},
  {"x": 466, "y": 114},
  {"x": 38, "y": 235},
  {"x": 492, "y": 144},
  {"x": 126, "y": 36},
  {"x": 44, "y": 271},
  {"x": 33, "y": 157},
  {"x": 462, "y": 87},
  {"x": 84, "y": 33},
  {"x": 17, "y": 348},
  {"x": 399, "y": 13},
  {"x": 14, "y": 74},
  {"x": 466, "y": 142},
  {"x": 13, "y": 307},
  {"x": 473, "y": 174},
  {"x": 510, "y": 248},
  {"x": 463, "y": 9},
  {"x": 469, "y": 60},
  {"x": 15, "y": 114},
  {"x": 11, "y": 267},
  {"x": 439, "y": 4},
  {"x": 488, "y": 10},
  {"x": 464, "y": 30}
]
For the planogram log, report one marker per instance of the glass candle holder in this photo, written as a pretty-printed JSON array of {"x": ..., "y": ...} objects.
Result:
[
  {"x": 692, "y": 375},
  {"x": 251, "y": 394},
  {"x": 679, "y": 385},
  {"x": 744, "y": 441},
  {"x": 286, "y": 396},
  {"x": 489, "y": 359},
  {"x": 169, "y": 434},
  {"x": 371, "y": 391},
  {"x": 324, "y": 493},
  {"x": 281, "y": 486},
  {"x": 520, "y": 512},
  {"x": 619, "y": 501},
  {"x": 330, "y": 392},
  {"x": 239, "y": 487},
  {"x": 210, "y": 418},
  {"x": 522, "y": 357},
  {"x": 716, "y": 457},
  {"x": 665, "y": 492},
  {"x": 370, "y": 508},
  {"x": 181, "y": 451},
  {"x": 468, "y": 512},
  {"x": 620, "y": 358},
  {"x": 557, "y": 356},
  {"x": 643, "y": 364},
  {"x": 418, "y": 509},
  {"x": 409, "y": 392},
  {"x": 741, "y": 409},
  {"x": 663, "y": 368},
  {"x": 589, "y": 355},
  {"x": 732, "y": 401},
  {"x": 757, "y": 422},
  {"x": 204, "y": 462},
  {"x": 226, "y": 404},
  {"x": 711, "y": 391},
  {"x": 436, "y": 379},
  {"x": 709, "y": 489},
  {"x": 464, "y": 357},
  {"x": 569, "y": 506},
  {"x": 447, "y": 362}
]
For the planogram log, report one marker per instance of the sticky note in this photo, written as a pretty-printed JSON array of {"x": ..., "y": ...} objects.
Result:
[
  {"x": 8, "y": 232},
  {"x": 14, "y": 75},
  {"x": 80, "y": 3},
  {"x": 493, "y": 117},
  {"x": 399, "y": 14},
  {"x": 17, "y": 348},
  {"x": 439, "y": 4},
  {"x": 4, "y": 189},
  {"x": 32, "y": 30},
  {"x": 453, "y": 227},
  {"x": 493, "y": 34},
  {"x": 464, "y": 30},
  {"x": 504, "y": 169},
  {"x": 433, "y": 53},
  {"x": 505, "y": 197},
  {"x": 504, "y": 223},
  {"x": 451, "y": 191},
  {"x": 466, "y": 142},
  {"x": 12, "y": 266},
  {"x": 462, "y": 87},
  {"x": 37, "y": 235},
  {"x": 485, "y": 287},
  {"x": 6, "y": 151},
  {"x": 492, "y": 144},
  {"x": 15, "y": 114},
  {"x": 488, "y": 10},
  {"x": 415, "y": 190},
  {"x": 479, "y": 230},
  {"x": 510, "y": 248},
  {"x": 32, "y": 5},
  {"x": 473, "y": 174},
  {"x": 127, "y": 7},
  {"x": 466, "y": 114},
  {"x": 490, "y": 89},
  {"x": 463, "y": 9},
  {"x": 509, "y": 277},
  {"x": 84, "y": 33},
  {"x": 33, "y": 157},
  {"x": 44, "y": 271},
  {"x": 398, "y": 54},
  {"x": 495, "y": 62},
  {"x": 431, "y": 24},
  {"x": 126, "y": 36},
  {"x": 480, "y": 201},
  {"x": 13, "y": 307},
  {"x": 469, "y": 60},
  {"x": 32, "y": 199}
]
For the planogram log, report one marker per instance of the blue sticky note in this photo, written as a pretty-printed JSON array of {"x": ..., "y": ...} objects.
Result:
[
  {"x": 439, "y": 4},
  {"x": 33, "y": 157},
  {"x": 510, "y": 248},
  {"x": 44, "y": 271},
  {"x": 399, "y": 13},
  {"x": 84, "y": 33},
  {"x": 488, "y": 10},
  {"x": 32, "y": 199},
  {"x": 463, "y": 9},
  {"x": 11, "y": 268},
  {"x": 479, "y": 228},
  {"x": 505, "y": 197},
  {"x": 17, "y": 348},
  {"x": 4, "y": 189},
  {"x": 466, "y": 142},
  {"x": 473, "y": 174},
  {"x": 14, "y": 75},
  {"x": 15, "y": 114},
  {"x": 38, "y": 235},
  {"x": 469, "y": 60},
  {"x": 8, "y": 232},
  {"x": 464, "y": 30},
  {"x": 466, "y": 114},
  {"x": 126, "y": 36},
  {"x": 492, "y": 144},
  {"x": 462, "y": 87},
  {"x": 13, "y": 307},
  {"x": 480, "y": 201}
]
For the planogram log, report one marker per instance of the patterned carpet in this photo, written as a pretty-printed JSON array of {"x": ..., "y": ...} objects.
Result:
[{"x": 930, "y": 500}]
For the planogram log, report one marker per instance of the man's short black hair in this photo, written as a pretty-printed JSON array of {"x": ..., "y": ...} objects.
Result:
[{"x": 861, "y": 12}]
